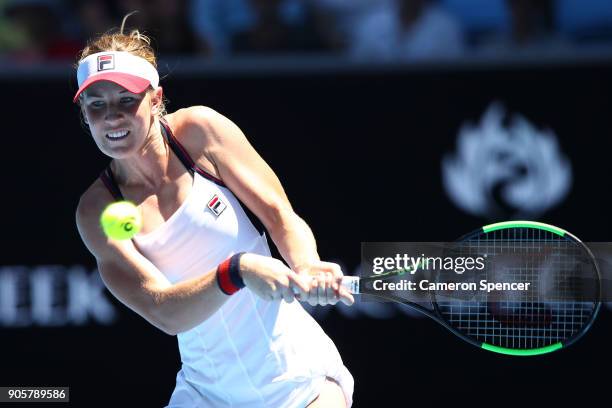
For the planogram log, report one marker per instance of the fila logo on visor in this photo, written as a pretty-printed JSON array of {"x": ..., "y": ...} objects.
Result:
[
  {"x": 106, "y": 62},
  {"x": 216, "y": 205}
]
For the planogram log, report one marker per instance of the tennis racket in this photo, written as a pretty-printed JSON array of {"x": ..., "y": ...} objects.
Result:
[{"x": 560, "y": 307}]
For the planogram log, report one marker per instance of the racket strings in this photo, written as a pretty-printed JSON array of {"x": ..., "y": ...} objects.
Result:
[{"x": 552, "y": 310}]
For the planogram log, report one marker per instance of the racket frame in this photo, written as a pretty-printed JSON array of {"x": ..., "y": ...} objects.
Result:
[{"x": 353, "y": 285}]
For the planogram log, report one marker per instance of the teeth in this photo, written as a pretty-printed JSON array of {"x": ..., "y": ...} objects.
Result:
[{"x": 117, "y": 135}]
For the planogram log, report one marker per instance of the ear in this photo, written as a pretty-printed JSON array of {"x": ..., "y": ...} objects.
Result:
[{"x": 157, "y": 97}]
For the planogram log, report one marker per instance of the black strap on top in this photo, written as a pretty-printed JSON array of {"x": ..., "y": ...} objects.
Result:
[
  {"x": 184, "y": 157},
  {"x": 109, "y": 181}
]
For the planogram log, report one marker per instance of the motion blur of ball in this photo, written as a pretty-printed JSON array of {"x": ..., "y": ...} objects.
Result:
[{"x": 121, "y": 220}]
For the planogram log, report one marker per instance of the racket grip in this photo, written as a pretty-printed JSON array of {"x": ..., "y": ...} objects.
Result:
[{"x": 351, "y": 283}]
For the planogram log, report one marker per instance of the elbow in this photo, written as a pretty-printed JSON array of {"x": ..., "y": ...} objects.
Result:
[
  {"x": 167, "y": 325},
  {"x": 171, "y": 327},
  {"x": 159, "y": 316},
  {"x": 163, "y": 323},
  {"x": 169, "y": 317},
  {"x": 171, "y": 332},
  {"x": 167, "y": 330}
]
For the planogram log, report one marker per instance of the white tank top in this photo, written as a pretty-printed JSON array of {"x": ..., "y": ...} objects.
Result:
[{"x": 251, "y": 352}]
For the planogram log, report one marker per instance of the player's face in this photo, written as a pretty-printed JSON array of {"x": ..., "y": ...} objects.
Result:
[{"x": 119, "y": 120}]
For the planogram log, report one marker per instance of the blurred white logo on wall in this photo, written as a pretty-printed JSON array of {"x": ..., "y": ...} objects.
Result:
[
  {"x": 53, "y": 296},
  {"x": 506, "y": 170}
]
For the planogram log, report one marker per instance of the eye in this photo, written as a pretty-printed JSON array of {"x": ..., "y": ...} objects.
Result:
[
  {"x": 127, "y": 99},
  {"x": 97, "y": 104}
]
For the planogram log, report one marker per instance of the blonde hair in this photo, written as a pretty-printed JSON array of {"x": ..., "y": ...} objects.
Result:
[{"x": 135, "y": 43}]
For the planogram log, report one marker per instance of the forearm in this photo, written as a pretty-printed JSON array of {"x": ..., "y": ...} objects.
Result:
[
  {"x": 296, "y": 243},
  {"x": 186, "y": 304},
  {"x": 294, "y": 240}
]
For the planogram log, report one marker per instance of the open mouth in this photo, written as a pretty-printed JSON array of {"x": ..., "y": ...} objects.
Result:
[{"x": 121, "y": 134}]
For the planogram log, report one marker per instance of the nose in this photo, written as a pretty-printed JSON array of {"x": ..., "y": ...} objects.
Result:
[{"x": 112, "y": 114}]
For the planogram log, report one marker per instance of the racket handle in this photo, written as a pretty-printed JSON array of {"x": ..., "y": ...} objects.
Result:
[{"x": 351, "y": 283}]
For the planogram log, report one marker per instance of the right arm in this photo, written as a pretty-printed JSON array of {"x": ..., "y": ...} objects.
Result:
[{"x": 173, "y": 308}]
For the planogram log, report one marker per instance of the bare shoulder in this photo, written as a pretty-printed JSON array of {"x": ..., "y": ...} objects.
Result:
[
  {"x": 90, "y": 207},
  {"x": 200, "y": 125},
  {"x": 204, "y": 132}
]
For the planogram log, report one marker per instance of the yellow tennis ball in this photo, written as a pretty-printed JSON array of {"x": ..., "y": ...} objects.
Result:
[{"x": 121, "y": 220}]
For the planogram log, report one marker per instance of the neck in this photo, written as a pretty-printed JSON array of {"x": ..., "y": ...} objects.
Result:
[{"x": 149, "y": 167}]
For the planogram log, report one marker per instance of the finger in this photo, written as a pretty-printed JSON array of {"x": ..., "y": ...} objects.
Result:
[
  {"x": 346, "y": 297},
  {"x": 299, "y": 282},
  {"x": 337, "y": 275},
  {"x": 330, "y": 289},
  {"x": 332, "y": 267},
  {"x": 322, "y": 289},
  {"x": 300, "y": 287},
  {"x": 275, "y": 289},
  {"x": 336, "y": 283},
  {"x": 313, "y": 293}
]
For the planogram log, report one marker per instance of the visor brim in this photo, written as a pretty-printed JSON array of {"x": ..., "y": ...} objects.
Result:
[{"x": 131, "y": 83}]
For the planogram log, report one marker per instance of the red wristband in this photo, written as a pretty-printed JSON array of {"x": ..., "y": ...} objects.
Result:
[{"x": 228, "y": 275}]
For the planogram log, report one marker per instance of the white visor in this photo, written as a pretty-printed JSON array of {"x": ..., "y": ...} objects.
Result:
[{"x": 129, "y": 71}]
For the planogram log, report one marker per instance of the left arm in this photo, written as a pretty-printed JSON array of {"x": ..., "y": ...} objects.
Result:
[{"x": 255, "y": 184}]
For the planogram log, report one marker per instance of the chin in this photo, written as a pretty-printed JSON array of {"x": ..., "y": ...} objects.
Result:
[{"x": 119, "y": 152}]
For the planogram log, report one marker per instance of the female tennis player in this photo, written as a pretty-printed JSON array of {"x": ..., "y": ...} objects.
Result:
[{"x": 200, "y": 268}]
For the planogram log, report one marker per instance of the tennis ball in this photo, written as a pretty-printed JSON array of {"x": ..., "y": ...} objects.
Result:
[{"x": 121, "y": 220}]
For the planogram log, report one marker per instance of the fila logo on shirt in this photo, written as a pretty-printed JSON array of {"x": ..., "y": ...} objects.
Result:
[
  {"x": 216, "y": 205},
  {"x": 106, "y": 62}
]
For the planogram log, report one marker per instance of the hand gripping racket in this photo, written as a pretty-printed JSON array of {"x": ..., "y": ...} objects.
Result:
[{"x": 558, "y": 309}]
